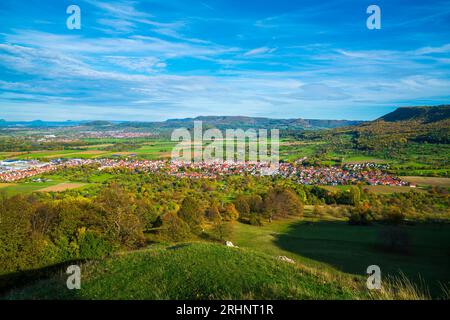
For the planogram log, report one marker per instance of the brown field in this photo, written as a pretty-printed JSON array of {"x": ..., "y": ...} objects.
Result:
[
  {"x": 62, "y": 187},
  {"x": 377, "y": 189},
  {"x": 164, "y": 155},
  {"x": 11, "y": 154},
  {"x": 429, "y": 181}
]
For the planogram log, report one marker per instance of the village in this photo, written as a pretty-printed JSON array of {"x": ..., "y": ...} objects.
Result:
[{"x": 349, "y": 174}]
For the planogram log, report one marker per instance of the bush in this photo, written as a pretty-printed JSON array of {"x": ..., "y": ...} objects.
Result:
[
  {"x": 360, "y": 217},
  {"x": 255, "y": 220},
  {"x": 393, "y": 215},
  {"x": 222, "y": 230}
]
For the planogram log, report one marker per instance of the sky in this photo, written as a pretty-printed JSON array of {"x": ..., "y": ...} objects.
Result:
[{"x": 155, "y": 60}]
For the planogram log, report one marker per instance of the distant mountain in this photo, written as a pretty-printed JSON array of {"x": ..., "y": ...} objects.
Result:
[
  {"x": 234, "y": 122},
  {"x": 98, "y": 123},
  {"x": 420, "y": 114}
]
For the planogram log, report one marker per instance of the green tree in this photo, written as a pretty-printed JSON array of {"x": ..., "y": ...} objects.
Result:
[
  {"x": 191, "y": 211},
  {"x": 174, "y": 228}
]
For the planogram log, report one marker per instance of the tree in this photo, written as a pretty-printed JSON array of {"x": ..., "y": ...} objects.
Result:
[
  {"x": 242, "y": 205},
  {"x": 280, "y": 202},
  {"x": 174, "y": 228},
  {"x": 17, "y": 247},
  {"x": 360, "y": 215},
  {"x": 191, "y": 212},
  {"x": 121, "y": 221},
  {"x": 230, "y": 213},
  {"x": 213, "y": 214}
]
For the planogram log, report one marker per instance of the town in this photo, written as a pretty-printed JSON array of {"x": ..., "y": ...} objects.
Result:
[{"x": 349, "y": 174}]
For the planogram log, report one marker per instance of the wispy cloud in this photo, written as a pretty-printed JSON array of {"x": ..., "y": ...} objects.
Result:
[
  {"x": 259, "y": 51},
  {"x": 156, "y": 60}
]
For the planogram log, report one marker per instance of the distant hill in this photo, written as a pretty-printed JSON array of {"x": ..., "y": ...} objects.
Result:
[
  {"x": 220, "y": 122},
  {"x": 234, "y": 122},
  {"x": 395, "y": 130},
  {"x": 420, "y": 114},
  {"x": 98, "y": 123}
]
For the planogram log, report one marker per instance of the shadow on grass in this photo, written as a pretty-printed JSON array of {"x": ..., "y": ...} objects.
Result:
[
  {"x": 20, "y": 279},
  {"x": 352, "y": 249},
  {"x": 333, "y": 243}
]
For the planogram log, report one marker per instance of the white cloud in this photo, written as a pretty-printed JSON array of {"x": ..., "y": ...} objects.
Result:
[{"x": 259, "y": 51}]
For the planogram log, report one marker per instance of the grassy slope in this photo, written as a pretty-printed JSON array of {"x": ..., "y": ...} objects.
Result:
[
  {"x": 194, "y": 271},
  {"x": 335, "y": 246},
  {"x": 330, "y": 263}
]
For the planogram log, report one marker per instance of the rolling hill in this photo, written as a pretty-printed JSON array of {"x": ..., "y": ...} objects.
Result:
[
  {"x": 419, "y": 114},
  {"x": 195, "y": 271},
  {"x": 220, "y": 122}
]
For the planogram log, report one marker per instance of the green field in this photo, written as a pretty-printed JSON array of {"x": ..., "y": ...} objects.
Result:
[{"x": 28, "y": 187}]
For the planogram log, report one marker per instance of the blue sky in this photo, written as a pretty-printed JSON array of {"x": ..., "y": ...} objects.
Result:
[{"x": 154, "y": 60}]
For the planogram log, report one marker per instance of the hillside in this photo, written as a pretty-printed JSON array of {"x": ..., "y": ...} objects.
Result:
[
  {"x": 419, "y": 114},
  {"x": 238, "y": 122},
  {"x": 195, "y": 271},
  {"x": 414, "y": 124},
  {"x": 414, "y": 140}
]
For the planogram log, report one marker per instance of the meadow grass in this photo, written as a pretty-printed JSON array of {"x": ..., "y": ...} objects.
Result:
[
  {"x": 336, "y": 247},
  {"x": 193, "y": 271}
]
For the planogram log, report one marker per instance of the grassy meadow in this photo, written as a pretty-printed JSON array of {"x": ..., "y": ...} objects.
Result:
[
  {"x": 335, "y": 247},
  {"x": 193, "y": 271}
]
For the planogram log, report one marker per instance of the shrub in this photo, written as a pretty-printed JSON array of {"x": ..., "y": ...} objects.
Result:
[
  {"x": 393, "y": 215},
  {"x": 255, "y": 220},
  {"x": 222, "y": 230},
  {"x": 360, "y": 217}
]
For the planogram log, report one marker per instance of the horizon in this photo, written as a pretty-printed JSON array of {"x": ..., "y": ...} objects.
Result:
[
  {"x": 157, "y": 60},
  {"x": 218, "y": 116},
  {"x": 172, "y": 119}
]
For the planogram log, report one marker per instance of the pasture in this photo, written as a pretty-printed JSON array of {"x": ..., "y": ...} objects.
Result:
[{"x": 428, "y": 181}]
